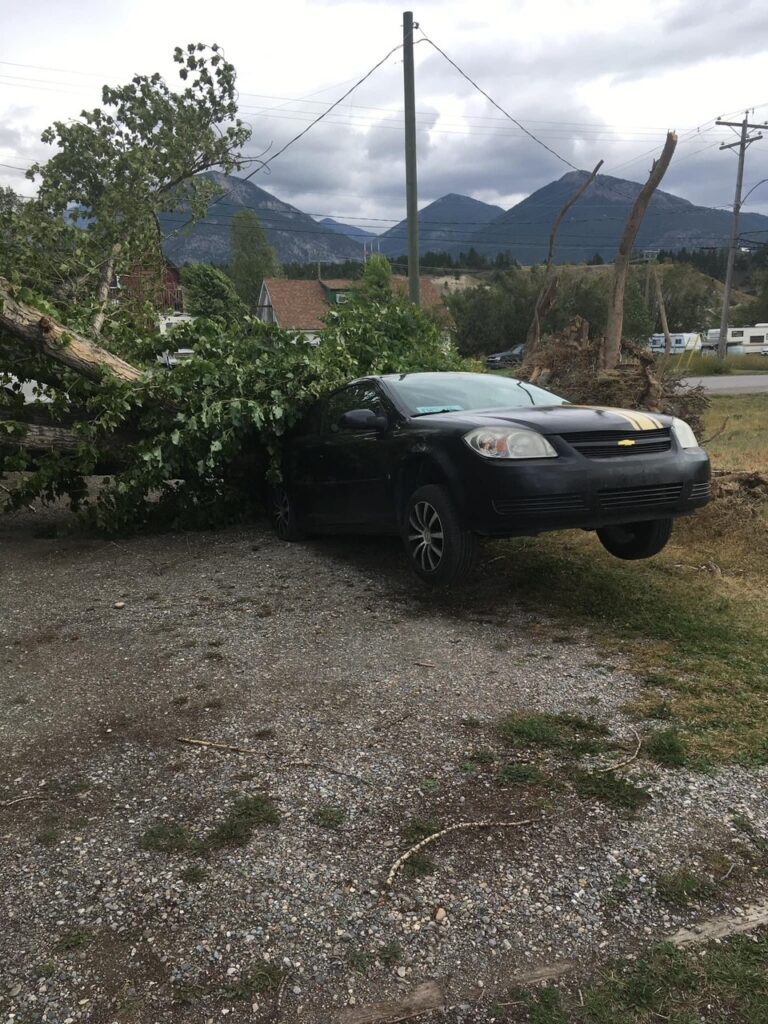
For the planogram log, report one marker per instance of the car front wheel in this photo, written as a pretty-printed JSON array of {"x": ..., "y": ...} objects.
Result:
[
  {"x": 282, "y": 515},
  {"x": 441, "y": 550},
  {"x": 636, "y": 540}
]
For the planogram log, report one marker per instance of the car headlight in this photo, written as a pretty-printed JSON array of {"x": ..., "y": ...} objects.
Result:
[
  {"x": 685, "y": 436},
  {"x": 501, "y": 443}
]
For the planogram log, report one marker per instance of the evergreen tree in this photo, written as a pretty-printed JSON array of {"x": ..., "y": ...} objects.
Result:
[{"x": 253, "y": 258}]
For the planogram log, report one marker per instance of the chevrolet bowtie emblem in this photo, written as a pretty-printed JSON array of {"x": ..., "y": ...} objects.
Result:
[{"x": 627, "y": 442}]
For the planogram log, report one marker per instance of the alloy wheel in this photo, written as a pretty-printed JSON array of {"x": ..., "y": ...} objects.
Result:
[
  {"x": 426, "y": 540},
  {"x": 281, "y": 512}
]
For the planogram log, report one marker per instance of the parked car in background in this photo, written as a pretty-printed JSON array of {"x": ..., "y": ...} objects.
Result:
[
  {"x": 444, "y": 458},
  {"x": 510, "y": 357}
]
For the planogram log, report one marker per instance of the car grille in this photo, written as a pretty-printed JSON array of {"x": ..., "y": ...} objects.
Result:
[
  {"x": 604, "y": 444},
  {"x": 639, "y": 497},
  {"x": 545, "y": 504},
  {"x": 699, "y": 491}
]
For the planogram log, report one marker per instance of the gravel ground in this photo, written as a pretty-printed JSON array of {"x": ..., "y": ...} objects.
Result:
[{"x": 362, "y": 700}]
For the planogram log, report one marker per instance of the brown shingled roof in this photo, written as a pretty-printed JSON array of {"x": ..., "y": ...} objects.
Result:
[
  {"x": 303, "y": 305},
  {"x": 298, "y": 305}
]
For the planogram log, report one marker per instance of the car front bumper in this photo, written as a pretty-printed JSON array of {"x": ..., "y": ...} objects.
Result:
[{"x": 520, "y": 499}]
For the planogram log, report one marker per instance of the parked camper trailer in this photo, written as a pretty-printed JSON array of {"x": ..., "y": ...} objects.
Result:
[
  {"x": 685, "y": 342},
  {"x": 741, "y": 341}
]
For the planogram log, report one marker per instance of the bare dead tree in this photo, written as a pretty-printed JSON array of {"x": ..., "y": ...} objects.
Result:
[
  {"x": 612, "y": 345},
  {"x": 662, "y": 312},
  {"x": 546, "y": 297}
]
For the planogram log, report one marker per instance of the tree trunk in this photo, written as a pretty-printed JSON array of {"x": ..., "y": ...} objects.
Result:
[
  {"x": 102, "y": 293},
  {"x": 34, "y": 437},
  {"x": 52, "y": 339},
  {"x": 662, "y": 313},
  {"x": 546, "y": 297},
  {"x": 612, "y": 346}
]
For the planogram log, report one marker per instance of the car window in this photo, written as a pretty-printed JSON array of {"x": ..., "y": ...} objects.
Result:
[
  {"x": 357, "y": 396},
  {"x": 425, "y": 393}
]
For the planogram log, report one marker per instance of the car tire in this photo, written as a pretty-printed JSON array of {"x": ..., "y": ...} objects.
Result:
[
  {"x": 282, "y": 515},
  {"x": 631, "y": 541},
  {"x": 441, "y": 551}
]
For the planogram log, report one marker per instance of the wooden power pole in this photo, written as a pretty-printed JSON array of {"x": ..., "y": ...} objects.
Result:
[
  {"x": 744, "y": 140},
  {"x": 411, "y": 185}
]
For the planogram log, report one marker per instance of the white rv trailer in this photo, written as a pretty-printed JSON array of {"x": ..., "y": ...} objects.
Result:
[
  {"x": 740, "y": 341},
  {"x": 685, "y": 342}
]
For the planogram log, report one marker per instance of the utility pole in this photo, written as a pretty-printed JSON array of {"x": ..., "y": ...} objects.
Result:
[
  {"x": 411, "y": 186},
  {"x": 745, "y": 140}
]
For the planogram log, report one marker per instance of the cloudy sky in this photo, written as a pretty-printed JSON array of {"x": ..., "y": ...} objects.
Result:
[{"x": 591, "y": 78}]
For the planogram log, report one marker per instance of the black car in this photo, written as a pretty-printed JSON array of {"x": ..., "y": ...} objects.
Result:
[
  {"x": 510, "y": 357},
  {"x": 442, "y": 458}
]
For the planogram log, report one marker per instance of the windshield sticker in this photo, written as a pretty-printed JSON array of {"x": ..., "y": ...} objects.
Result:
[{"x": 424, "y": 410}]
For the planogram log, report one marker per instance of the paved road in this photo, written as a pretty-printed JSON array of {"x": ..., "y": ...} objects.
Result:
[{"x": 735, "y": 384}]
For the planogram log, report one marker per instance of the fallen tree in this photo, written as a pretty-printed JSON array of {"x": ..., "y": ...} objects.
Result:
[{"x": 188, "y": 447}]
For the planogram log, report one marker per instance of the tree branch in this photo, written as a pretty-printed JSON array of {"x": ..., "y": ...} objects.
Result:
[
  {"x": 48, "y": 337},
  {"x": 615, "y": 326}
]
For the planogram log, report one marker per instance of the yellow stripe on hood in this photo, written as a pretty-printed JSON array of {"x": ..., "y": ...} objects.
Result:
[{"x": 637, "y": 420}]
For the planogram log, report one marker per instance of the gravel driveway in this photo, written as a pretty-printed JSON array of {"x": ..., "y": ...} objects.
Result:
[{"x": 369, "y": 710}]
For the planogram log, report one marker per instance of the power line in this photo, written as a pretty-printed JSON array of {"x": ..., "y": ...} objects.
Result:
[{"x": 498, "y": 106}]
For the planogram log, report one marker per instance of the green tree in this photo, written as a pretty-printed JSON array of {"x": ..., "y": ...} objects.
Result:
[
  {"x": 208, "y": 292},
  {"x": 376, "y": 283},
  {"x": 253, "y": 258},
  {"x": 119, "y": 165}
]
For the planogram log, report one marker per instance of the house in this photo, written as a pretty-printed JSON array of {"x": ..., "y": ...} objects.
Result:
[
  {"x": 145, "y": 284},
  {"x": 303, "y": 305}
]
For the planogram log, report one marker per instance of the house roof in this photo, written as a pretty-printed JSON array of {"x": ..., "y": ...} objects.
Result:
[
  {"x": 303, "y": 305},
  {"x": 298, "y": 305}
]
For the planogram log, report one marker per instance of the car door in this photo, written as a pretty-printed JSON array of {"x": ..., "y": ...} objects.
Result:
[{"x": 357, "y": 464}]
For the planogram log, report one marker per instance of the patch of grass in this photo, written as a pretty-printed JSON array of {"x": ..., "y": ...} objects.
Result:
[
  {"x": 703, "y": 637},
  {"x": 47, "y": 837},
  {"x": 666, "y": 748},
  {"x": 418, "y": 865},
  {"x": 610, "y": 789},
  {"x": 521, "y": 775},
  {"x": 168, "y": 838},
  {"x": 261, "y": 980},
  {"x": 470, "y": 722},
  {"x": 568, "y": 733},
  {"x": 193, "y": 875},
  {"x": 390, "y": 954},
  {"x": 359, "y": 961},
  {"x": 747, "y": 828},
  {"x": 417, "y": 829},
  {"x": 237, "y": 827},
  {"x": 681, "y": 887},
  {"x": 329, "y": 816},
  {"x": 77, "y": 938},
  {"x": 721, "y": 983},
  {"x": 477, "y": 759}
]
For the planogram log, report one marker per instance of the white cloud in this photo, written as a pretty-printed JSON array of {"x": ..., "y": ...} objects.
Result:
[{"x": 593, "y": 78}]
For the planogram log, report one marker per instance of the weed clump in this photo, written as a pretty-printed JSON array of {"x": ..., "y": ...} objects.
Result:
[
  {"x": 666, "y": 748},
  {"x": 568, "y": 733},
  {"x": 610, "y": 789},
  {"x": 681, "y": 887}
]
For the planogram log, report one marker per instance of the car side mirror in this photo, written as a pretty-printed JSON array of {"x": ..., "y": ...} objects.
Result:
[{"x": 362, "y": 419}]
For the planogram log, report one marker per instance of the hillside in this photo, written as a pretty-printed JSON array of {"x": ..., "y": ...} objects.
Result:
[
  {"x": 295, "y": 235},
  {"x": 595, "y": 224},
  {"x": 359, "y": 234},
  {"x": 448, "y": 225}
]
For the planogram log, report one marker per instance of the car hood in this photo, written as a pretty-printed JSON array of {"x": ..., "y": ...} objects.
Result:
[{"x": 556, "y": 419}]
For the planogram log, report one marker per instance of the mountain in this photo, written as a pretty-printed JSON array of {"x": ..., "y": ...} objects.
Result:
[
  {"x": 294, "y": 235},
  {"x": 359, "y": 234},
  {"x": 596, "y": 222},
  {"x": 449, "y": 224}
]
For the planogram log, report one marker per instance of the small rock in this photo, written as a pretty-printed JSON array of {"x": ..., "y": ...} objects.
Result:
[
  {"x": 119, "y": 604},
  {"x": 440, "y": 914}
]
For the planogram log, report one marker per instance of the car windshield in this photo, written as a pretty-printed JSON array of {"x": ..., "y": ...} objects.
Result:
[{"x": 425, "y": 393}]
